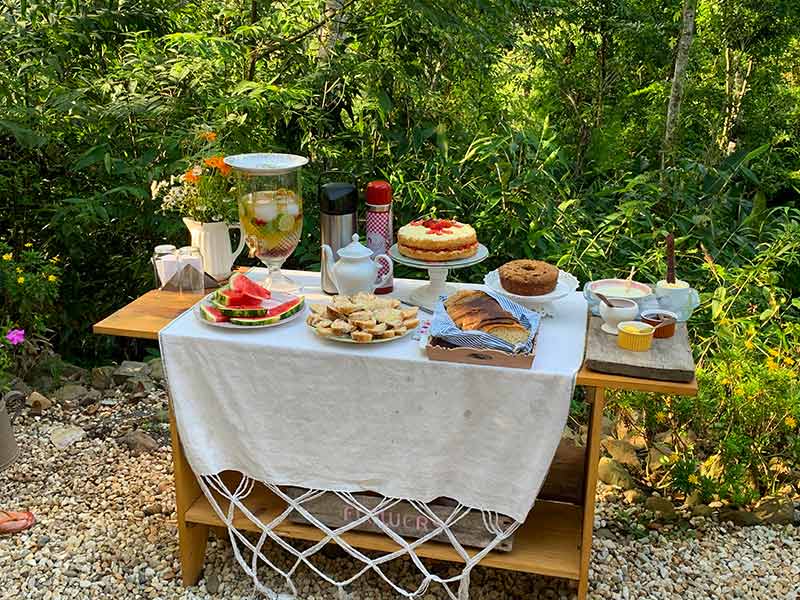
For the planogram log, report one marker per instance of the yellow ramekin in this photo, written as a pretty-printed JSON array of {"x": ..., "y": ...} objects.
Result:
[{"x": 635, "y": 336}]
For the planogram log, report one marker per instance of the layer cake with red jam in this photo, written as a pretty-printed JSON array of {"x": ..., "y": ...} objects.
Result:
[{"x": 436, "y": 240}]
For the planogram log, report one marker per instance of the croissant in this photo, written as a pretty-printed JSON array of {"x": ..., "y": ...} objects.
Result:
[{"x": 473, "y": 310}]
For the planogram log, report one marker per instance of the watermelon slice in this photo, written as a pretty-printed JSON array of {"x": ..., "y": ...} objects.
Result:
[
  {"x": 274, "y": 316},
  {"x": 282, "y": 308},
  {"x": 240, "y": 311},
  {"x": 228, "y": 297},
  {"x": 251, "y": 321},
  {"x": 209, "y": 313},
  {"x": 244, "y": 285}
]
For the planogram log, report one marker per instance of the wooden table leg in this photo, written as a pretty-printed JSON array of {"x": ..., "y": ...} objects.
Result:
[
  {"x": 597, "y": 397},
  {"x": 192, "y": 537}
]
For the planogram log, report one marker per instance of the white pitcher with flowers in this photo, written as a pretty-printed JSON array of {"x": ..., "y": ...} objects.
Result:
[{"x": 202, "y": 196}]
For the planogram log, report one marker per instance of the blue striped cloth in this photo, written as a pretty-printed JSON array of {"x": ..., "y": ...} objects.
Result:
[{"x": 442, "y": 326}]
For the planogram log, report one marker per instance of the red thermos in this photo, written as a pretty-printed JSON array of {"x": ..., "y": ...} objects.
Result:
[{"x": 379, "y": 224}]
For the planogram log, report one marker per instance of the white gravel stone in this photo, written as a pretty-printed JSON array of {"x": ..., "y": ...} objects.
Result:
[{"x": 99, "y": 535}]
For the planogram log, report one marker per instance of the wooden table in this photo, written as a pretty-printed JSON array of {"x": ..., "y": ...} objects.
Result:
[{"x": 555, "y": 540}]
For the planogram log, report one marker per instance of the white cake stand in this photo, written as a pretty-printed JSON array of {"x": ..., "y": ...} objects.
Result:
[{"x": 427, "y": 295}]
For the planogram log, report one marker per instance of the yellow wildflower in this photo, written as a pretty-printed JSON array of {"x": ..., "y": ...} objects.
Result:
[
  {"x": 19, "y": 269},
  {"x": 20, "y": 279},
  {"x": 790, "y": 421},
  {"x": 55, "y": 260},
  {"x": 771, "y": 364},
  {"x": 52, "y": 278},
  {"x": 739, "y": 391},
  {"x": 725, "y": 381},
  {"x": 788, "y": 361},
  {"x": 8, "y": 256},
  {"x": 29, "y": 245},
  {"x": 748, "y": 344},
  {"x": 774, "y": 352},
  {"x": 694, "y": 479},
  {"x": 661, "y": 416}
]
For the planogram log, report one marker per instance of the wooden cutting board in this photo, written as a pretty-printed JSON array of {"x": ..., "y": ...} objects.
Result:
[{"x": 668, "y": 360}]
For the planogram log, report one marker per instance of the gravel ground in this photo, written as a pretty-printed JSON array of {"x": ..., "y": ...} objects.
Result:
[{"x": 106, "y": 530}]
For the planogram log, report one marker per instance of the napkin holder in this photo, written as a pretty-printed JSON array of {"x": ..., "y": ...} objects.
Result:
[{"x": 174, "y": 282}]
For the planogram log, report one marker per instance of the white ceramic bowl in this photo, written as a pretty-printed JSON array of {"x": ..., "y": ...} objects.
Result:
[
  {"x": 620, "y": 288},
  {"x": 639, "y": 292},
  {"x": 624, "y": 309}
]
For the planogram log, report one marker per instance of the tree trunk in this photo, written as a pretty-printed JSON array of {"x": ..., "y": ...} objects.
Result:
[
  {"x": 330, "y": 33},
  {"x": 250, "y": 75},
  {"x": 678, "y": 79},
  {"x": 601, "y": 88},
  {"x": 737, "y": 72}
]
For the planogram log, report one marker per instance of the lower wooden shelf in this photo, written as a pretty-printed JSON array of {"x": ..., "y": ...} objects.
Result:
[{"x": 548, "y": 543}]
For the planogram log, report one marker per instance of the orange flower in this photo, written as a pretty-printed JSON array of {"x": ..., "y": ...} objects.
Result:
[
  {"x": 209, "y": 136},
  {"x": 191, "y": 176},
  {"x": 218, "y": 163}
]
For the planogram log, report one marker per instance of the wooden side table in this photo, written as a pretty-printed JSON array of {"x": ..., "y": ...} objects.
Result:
[{"x": 555, "y": 540}]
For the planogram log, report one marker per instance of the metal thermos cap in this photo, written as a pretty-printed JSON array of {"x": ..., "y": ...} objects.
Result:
[{"x": 338, "y": 198}]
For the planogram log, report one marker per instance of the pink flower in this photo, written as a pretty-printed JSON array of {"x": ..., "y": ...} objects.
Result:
[{"x": 15, "y": 336}]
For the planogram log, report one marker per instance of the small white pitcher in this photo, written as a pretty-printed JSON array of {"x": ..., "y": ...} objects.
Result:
[
  {"x": 677, "y": 297},
  {"x": 214, "y": 241}
]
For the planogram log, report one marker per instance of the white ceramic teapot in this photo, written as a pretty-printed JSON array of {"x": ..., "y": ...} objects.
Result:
[{"x": 355, "y": 271}]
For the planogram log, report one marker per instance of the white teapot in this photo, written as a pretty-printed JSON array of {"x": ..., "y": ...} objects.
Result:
[{"x": 355, "y": 271}]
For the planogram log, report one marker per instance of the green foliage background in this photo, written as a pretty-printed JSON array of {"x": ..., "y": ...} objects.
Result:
[{"x": 538, "y": 121}]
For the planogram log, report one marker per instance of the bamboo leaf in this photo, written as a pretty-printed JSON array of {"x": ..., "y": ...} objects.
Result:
[
  {"x": 92, "y": 156},
  {"x": 718, "y": 302}
]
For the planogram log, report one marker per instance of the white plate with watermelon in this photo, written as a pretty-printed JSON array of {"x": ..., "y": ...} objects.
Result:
[{"x": 244, "y": 304}]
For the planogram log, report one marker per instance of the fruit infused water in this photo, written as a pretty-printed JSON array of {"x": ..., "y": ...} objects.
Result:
[
  {"x": 269, "y": 192},
  {"x": 272, "y": 222}
]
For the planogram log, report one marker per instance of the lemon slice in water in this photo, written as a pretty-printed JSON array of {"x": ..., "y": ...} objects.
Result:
[{"x": 286, "y": 222}]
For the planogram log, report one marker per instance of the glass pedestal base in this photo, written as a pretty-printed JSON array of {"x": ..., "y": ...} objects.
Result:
[{"x": 276, "y": 281}]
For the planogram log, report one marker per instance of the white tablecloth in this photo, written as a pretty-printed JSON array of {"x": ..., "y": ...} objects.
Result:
[{"x": 285, "y": 406}]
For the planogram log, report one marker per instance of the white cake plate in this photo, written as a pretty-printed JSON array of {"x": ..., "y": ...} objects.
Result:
[
  {"x": 566, "y": 285},
  {"x": 427, "y": 295}
]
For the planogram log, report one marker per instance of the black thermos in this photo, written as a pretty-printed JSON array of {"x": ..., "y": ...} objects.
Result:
[{"x": 338, "y": 205}]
